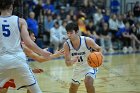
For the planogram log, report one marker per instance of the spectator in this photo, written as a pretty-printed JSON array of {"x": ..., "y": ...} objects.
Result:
[
  {"x": 58, "y": 18},
  {"x": 130, "y": 18},
  {"x": 49, "y": 6},
  {"x": 91, "y": 29},
  {"x": 26, "y": 10},
  {"x": 114, "y": 6},
  {"x": 55, "y": 36},
  {"x": 62, "y": 12},
  {"x": 98, "y": 16},
  {"x": 88, "y": 8},
  {"x": 113, "y": 26},
  {"x": 63, "y": 31},
  {"x": 120, "y": 22},
  {"x": 38, "y": 10},
  {"x": 48, "y": 24},
  {"x": 138, "y": 30},
  {"x": 105, "y": 38},
  {"x": 32, "y": 23},
  {"x": 129, "y": 39},
  {"x": 106, "y": 16},
  {"x": 68, "y": 18},
  {"x": 82, "y": 26},
  {"x": 136, "y": 11}
]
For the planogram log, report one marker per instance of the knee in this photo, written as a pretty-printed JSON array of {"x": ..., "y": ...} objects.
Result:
[{"x": 73, "y": 88}]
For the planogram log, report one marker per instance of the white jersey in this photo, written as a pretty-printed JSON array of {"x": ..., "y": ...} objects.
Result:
[
  {"x": 81, "y": 68},
  {"x": 83, "y": 51},
  {"x": 10, "y": 41}
]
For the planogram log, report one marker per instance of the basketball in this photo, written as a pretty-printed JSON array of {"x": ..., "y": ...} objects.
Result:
[{"x": 95, "y": 59}]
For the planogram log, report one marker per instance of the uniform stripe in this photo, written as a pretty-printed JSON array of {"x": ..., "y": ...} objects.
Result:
[
  {"x": 76, "y": 81},
  {"x": 18, "y": 24},
  {"x": 26, "y": 86},
  {"x": 68, "y": 45},
  {"x": 86, "y": 43}
]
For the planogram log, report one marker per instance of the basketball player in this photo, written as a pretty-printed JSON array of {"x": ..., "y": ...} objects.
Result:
[
  {"x": 37, "y": 57},
  {"x": 34, "y": 56},
  {"x": 77, "y": 48},
  {"x": 12, "y": 57}
]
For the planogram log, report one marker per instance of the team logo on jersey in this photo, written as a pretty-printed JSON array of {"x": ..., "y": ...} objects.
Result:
[{"x": 79, "y": 53}]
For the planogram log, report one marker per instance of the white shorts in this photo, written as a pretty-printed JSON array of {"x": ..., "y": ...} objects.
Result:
[
  {"x": 80, "y": 75},
  {"x": 22, "y": 76}
]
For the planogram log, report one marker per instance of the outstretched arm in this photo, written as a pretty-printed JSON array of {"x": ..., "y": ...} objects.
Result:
[
  {"x": 27, "y": 40},
  {"x": 40, "y": 58}
]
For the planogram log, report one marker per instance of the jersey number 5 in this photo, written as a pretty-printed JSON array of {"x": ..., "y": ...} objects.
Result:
[{"x": 6, "y": 31}]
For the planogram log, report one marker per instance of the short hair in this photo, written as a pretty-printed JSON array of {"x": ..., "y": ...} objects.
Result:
[
  {"x": 56, "y": 22},
  {"x": 5, "y": 4},
  {"x": 72, "y": 26}
]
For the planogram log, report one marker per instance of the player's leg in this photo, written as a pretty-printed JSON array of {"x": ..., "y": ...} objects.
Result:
[
  {"x": 36, "y": 70},
  {"x": 4, "y": 80},
  {"x": 9, "y": 83},
  {"x": 89, "y": 80},
  {"x": 28, "y": 91},
  {"x": 3, "y": 90},
  {"x": 33, "y": 89},
  {"x": 76, "y": 80},
  {"x": 73, "y": 88},
  {"x": 26, "y": 79},
  {"x": 89, "y": 84}
]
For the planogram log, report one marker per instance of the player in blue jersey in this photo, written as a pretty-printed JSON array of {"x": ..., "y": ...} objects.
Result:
[
  {"x": 77, "y": 48},
  {"x": 12, "y": 57}
]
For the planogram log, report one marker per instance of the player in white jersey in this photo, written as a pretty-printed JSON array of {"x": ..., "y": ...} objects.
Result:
[
  {"x": 13, "y": 63},
  {"x": 34, "y": 56},
  {"x": 77, "y": 48}
]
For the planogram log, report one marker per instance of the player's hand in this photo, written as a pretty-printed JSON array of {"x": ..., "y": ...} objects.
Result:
[
  {"x": 101, "y": 54},
  {"x": 46, "y": 53},
  {"x": 60, "y": 52}
]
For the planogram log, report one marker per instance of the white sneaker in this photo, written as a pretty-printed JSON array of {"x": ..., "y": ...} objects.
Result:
[
  {"x": 125, "y": 50},
  {"x": 111, "y": 50},
  {"x": 130, "y": 49}
]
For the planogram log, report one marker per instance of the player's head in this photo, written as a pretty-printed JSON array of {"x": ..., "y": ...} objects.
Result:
[
  {"x": 72, "y": 30},
  {"x": 6, "y": 5},
  {"x": 32, "y": 36},
  {"x": 70, "y": 27}
]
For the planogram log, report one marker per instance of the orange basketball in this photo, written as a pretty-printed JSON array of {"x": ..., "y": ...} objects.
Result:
[{"x": 95, "y": 59}]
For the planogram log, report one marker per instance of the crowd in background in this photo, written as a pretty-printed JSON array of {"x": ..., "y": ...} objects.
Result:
[{"x": 111, "y": 30}]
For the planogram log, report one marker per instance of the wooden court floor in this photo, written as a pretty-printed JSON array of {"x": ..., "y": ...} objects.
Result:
[{"x": 118, "y": 74}]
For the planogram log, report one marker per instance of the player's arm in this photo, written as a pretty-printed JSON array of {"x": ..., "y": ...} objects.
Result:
[
  {"x": 39, "y": 58},
  {"x": 27, "y": 40},
  {"x": 91, "y": 44},
  {"x": 68, "y": 60}
]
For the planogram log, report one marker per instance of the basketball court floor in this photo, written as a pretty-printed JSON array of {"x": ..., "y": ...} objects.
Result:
[{"x": 119, "y": 74}]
